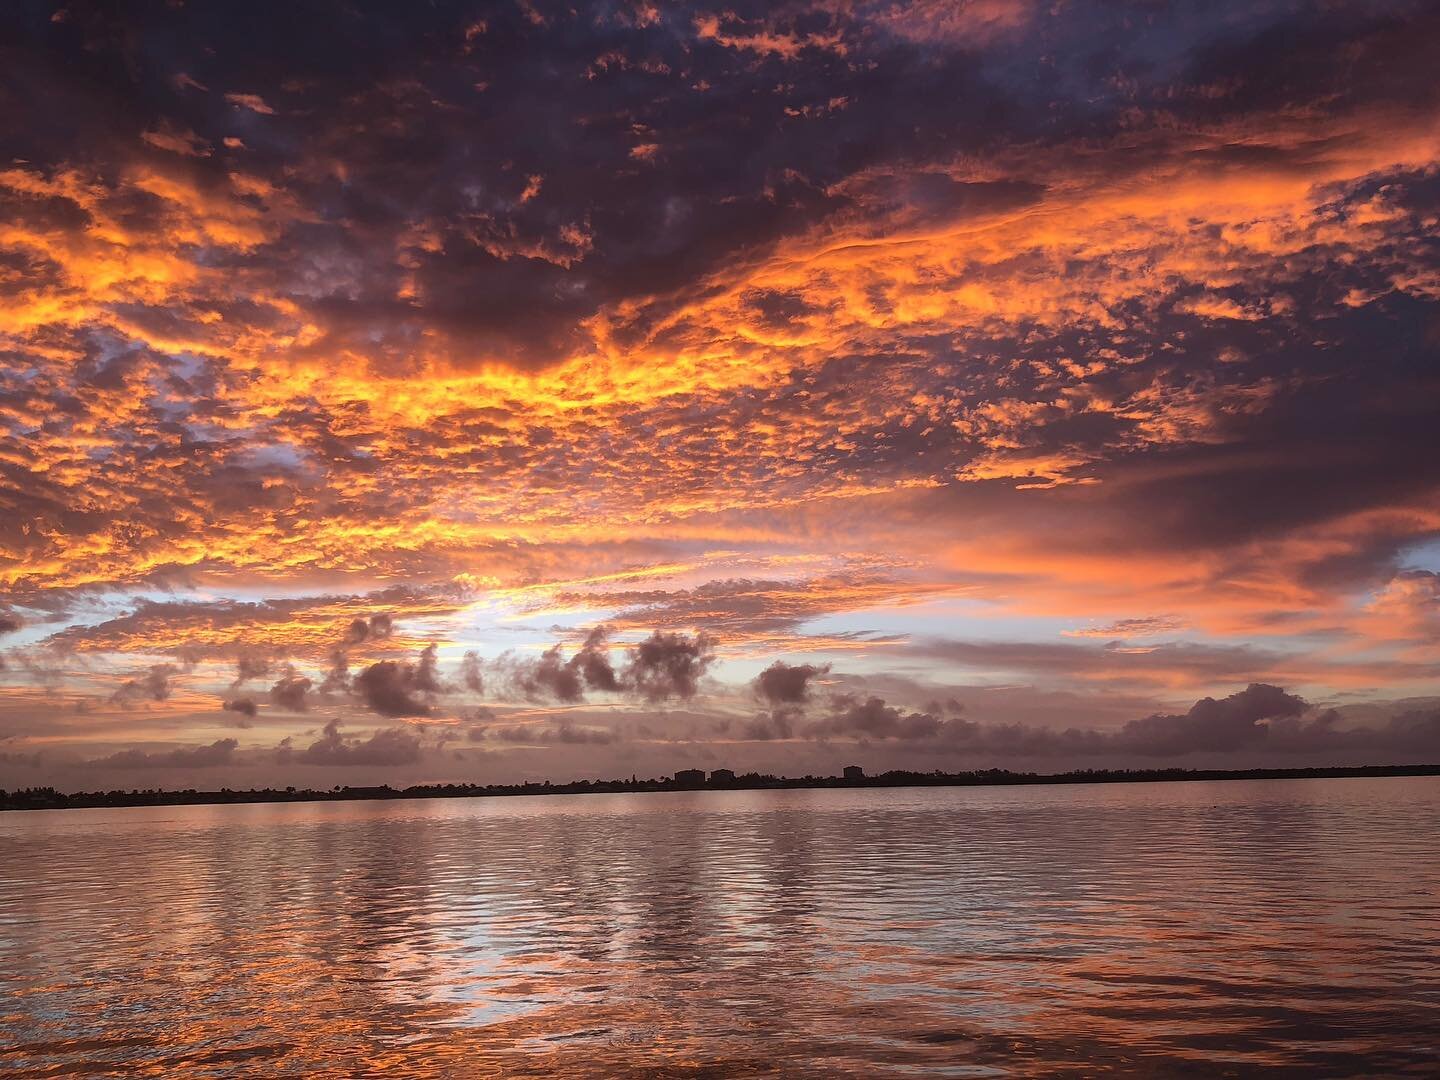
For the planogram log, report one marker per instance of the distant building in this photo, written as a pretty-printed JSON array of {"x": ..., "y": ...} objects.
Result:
[
  {"x": 854, "y": 772},
  {"x": 690, "y": 778},
  {"x": 721, "y": 777}
]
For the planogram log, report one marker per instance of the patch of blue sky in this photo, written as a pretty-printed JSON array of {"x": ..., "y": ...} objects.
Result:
[{"x": 1422, "y": 556}]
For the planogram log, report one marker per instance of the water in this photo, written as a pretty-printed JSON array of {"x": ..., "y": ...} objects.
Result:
[{"x": 1285, "y": 928}]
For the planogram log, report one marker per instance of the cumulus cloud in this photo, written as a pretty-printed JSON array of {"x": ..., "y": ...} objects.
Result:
[
  {"x": 292, "y": 691},
  {"x": 787, "y": 684},
  {"x": 472, "y": 673},
  {"x": 389, "y": 746},
  {"x": 1232, "y": 723},
  {"x": 669, "y": 665},
  {"x": 377, "y": 628},
  {"x": 249, "y": 667},
  {"x": 593, "y": 661},
  {"x": 220, "y": 752},
  {"x": 427, "y": 671},
  {"x": 1260, "y": 718},
  {"x": 398, "y": 688},
  {"x": 245, "y": 708},
  {"x": 9, "y": 623},
  {"x": 563, "y": 732},
  {"x": 778, "y": 723},
  {"x": 554, "y": 677},
  {"x": 872, "y": 718},
  {"x": 154, "y": 685},
  {"x": 337, "y": 678}
]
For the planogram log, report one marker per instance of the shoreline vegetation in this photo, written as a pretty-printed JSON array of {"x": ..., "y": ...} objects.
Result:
[{"x": 47, "y": 798}]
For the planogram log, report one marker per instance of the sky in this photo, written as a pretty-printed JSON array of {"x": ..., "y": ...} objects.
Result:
[{"x": 453, "y": 392}]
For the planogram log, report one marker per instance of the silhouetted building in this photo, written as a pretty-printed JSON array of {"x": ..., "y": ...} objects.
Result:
[
  {"x": 690, "y": 778},
  {"x": 721, "y": 777},
  {"x": 854, "y": 772}
]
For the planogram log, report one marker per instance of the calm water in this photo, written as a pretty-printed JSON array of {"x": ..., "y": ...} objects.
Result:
[{"x": 1245, "y": 928}]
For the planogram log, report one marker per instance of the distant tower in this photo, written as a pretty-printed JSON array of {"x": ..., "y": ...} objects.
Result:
[{"x": 854, "y": 772}]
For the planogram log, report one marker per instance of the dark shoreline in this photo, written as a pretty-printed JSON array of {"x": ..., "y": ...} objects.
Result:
[{"x": 50, "y": 799}]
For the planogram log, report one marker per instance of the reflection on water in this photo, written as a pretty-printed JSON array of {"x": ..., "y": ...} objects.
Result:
[{"x": 1242, "y": 928}]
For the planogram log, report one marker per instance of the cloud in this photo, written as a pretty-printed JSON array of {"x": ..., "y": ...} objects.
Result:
[
  {"x": 1261, "y": 719},
  {"x": 1147, "y": 326},
  {"x": 337, "y": 678},
  {"x": 1232, "y": 723},
  {"x": 249, "y": 667},
  {"x": 787, "y": 684},
  {"x": 427, "y": 671},
  {"x": 220, "y": 752},
  {"x": 669, "y": 665},
  {"x": 360, "y": 630},
  {"x": 593, "y": 662},
  {"x": 245, "y": 708},
  {"x": 9, "y": 624},
  {"x": 177, "y": 140},
  {"x": 254, "y": 631},
  {"x": 778, "y": 723},
  {"x": 398, "y": 688},
  {"x": 472, "y": 673},
  {"x": 154, "y": 685},
  {"x": 253, "y": 102},
  {"x": 553, "y": 677},
  {"x": 292, "y": 691},
  {"x": 1125, "y": 628},
  {"x": 751, "y": 607},
  {"x": 549, "y": 676},
  {"x": 564, "y": 732},
  {"x": 389, "y": 746},
  {"x": 872, "y": 718}
]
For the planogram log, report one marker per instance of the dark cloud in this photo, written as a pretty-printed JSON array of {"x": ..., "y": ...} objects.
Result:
[
  {"x": 292, "y": 691},
  {"x": 390, "y": 746},
  {"x": 548, "y": 677},
  {"x": 250, "y": 667},
  {"x": 9, "y": 623},
  {"x": 1232, "y": 723},
  {"x": 1259, "y": 719},
  {"x": 778, "y": 723},
  {"x": 360, "y": 630},
  {"x": 244, "y": 707},
  {"x": 154, "y": 685},
  {"x": 563, "y": 732},
  {"x": 554, "y": 677},
  {"x": 220, "y": 752},
  {"x": 872, "y": 718},
  {"x": 787, "y": 684},
  {"x": 593, "y": 662},
  {"x": 427, "y": 671},
  {"x": 398, "y": 688},
  {"x": 337, "y": 678},
  {"x": 472, "y": 673},
  {"x": 668, "y": 665}
]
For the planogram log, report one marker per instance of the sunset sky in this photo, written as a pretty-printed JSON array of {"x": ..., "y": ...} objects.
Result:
[{"x": 429, "y": 392}]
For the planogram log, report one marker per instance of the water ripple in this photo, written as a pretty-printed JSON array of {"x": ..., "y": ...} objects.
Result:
[{"x": 1286, "y": 928}]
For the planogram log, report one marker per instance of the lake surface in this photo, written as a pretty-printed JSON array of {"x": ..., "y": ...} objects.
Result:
[{"x": 1242, "y": 928}]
